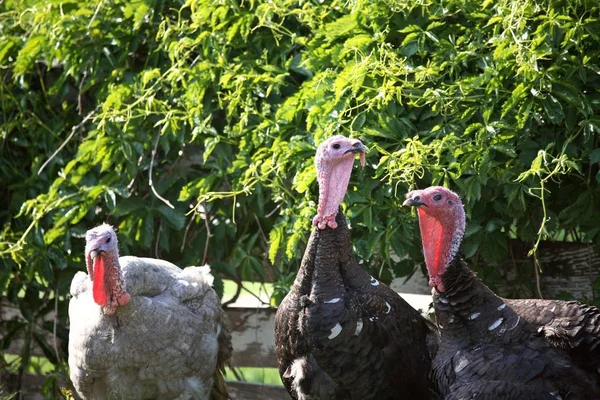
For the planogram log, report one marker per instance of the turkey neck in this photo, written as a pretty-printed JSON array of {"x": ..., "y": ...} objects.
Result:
[
  {"x": 110, "y": 284},
  {"x": 327, "y": 253},
  {"x": 468, "y": 309}
]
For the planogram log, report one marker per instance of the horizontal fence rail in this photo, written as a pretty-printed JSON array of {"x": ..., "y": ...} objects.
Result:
[{"x": 252, "y": 339}]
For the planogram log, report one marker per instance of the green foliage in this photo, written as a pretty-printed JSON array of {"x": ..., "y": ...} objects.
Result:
[{"x": 191, "y": 126}]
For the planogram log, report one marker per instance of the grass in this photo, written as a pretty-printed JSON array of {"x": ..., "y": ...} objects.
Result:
[
  {"x": 251, "y": 292},
  {"x": 268, "y": 376},
  {"x": 37, "y": 365}
]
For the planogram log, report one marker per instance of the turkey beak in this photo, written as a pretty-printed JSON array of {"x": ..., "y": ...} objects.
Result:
[
  {"x": 414, "y": 202},
  {"x": 95, "y": 253},
  {"x": 357, "y": 147}
]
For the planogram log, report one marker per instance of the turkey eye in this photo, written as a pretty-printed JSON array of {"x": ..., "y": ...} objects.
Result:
[
  {"x": 437, "y": 197},
  {"x": 336, "y": 146},
  {"x": 108, "y": 240}
]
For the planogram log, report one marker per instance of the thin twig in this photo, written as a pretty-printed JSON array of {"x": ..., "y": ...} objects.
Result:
[
  {"x": 56, "y": 323},
  {"x": 237, "y": 373},
  {"x": 262, "y": 233},
  {"x": 537, "y": 267},
  {"x": 157, "y": 240},
  {"x": 73, "y": 130},
  {"x": 95, "y": 13},
  {"x": 187, "y": 228},
  {"x": 79, "y": 98},
  {"x": 238, "y": 290},
  {"x": 254, "y": 295},
  {"x": 273, "y": 212},
  {"x": 150, "y": 174},
  {"x": 130, "y": 184},
  {"x": 208, "y": 234}
]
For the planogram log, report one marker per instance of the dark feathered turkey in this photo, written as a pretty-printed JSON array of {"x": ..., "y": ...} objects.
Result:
[
  {"x": 568, "y": 325},
  {"x": 340, "y": 333},
  {"x": 493, "y": 348}
]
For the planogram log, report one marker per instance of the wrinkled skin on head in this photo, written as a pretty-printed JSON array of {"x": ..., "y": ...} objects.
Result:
[
  {"x": 102, "y": 261},
  {"x": 442, "y": 225},
  {"x": 334, "y": 162}
]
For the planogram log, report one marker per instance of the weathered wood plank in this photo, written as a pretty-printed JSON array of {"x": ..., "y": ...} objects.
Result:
[
  {"x": 251, "y": 332},
  {"x": 252, "y": 336}
]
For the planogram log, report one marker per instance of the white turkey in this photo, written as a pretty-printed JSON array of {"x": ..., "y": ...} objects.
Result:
[
  {"x": 492, "y": 348},
  {"x": 142, "y": 328},
  {"x": 340, "y": 333}
]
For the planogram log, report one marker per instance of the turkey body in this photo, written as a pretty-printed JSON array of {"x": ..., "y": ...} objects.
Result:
[
  {"x": 166, "y": 343},
  {"x": 489, "y": 351},
  {"x": 492, "y": 348},
  {"x": 341, "y": 334},
  {"x": 568, "y": 325}
]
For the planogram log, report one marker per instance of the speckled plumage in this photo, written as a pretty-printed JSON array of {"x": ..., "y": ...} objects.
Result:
[
  {"x": 492, "y": 348},
  {"x": 490, "y": 351},
  {"x": 340, "y": 333},
  {"x": 384, "y": 348},
  {"x": 168, "y": 342},
  {"x": 568, "y": 325}
]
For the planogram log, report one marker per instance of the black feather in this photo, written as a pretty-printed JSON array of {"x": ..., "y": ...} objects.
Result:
[{"x": 381, "y": 351}]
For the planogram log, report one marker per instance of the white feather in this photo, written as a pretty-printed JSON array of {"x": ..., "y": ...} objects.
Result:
[{"x": 335, "y": 331}]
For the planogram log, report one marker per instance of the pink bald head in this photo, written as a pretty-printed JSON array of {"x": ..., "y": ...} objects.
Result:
[
  {"x": 102, "y": 260},
  {"x": 334, "y": 162},
  {"x": 442, "y": 224}
]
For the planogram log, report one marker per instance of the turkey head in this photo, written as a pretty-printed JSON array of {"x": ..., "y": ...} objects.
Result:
[
  {"x": 334, "y": 161},
  {"x": 442, "y": 225},
  {"x": 102, "y": 260}
]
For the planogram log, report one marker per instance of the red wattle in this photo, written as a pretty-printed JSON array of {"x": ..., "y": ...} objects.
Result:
[
  {"x": 99, "y": 289},
  {"x": 435, "y": 243}
]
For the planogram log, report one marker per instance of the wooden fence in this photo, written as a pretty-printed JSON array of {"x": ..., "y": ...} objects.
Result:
[{"x": 252, "y": 338}]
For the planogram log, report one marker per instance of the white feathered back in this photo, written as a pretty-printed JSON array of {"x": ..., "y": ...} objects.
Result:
[{"x": 163, "y": 344}]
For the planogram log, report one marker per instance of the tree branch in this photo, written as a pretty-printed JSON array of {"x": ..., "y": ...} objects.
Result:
[
  {"x": 208, "y": 234},
  {"x": 150, "y": 175},
  {"x": 187, "y": 229},
  {"x": 73, "y": 130},
  {"x": 56, "y": 323}
]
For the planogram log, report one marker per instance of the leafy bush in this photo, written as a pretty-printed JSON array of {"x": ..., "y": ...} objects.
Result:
[{"x": 191, "y": 126}]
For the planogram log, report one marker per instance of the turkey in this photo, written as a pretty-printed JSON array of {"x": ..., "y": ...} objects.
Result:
[
  {"x": 340, "y": 333},
  {"x": 568, "y": 325},
  {"x": 493, "y": 348},
  {"x": 142, "y": 328}
]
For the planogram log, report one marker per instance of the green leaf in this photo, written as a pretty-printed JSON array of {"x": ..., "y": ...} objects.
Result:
[
  {"x": 518, "y": 94},
  {"x": 7, "y": 45},
  {"x": 174, "y": 218},
  {"x": 411, "y": 28},
  {"x": 275, "y": 240},
  {"x": 352, "y": 77},
  {"x": 553, "y": 109},
  {"x": 340, "y": 27},
  {"x": 304, "y": 179},
  {"x": 595, "y": 156},
  {"x": 110, "y": 199},
  {"x": 505, "y": 149},
  {"x": 410, "y": 38},
  {"x": 146, "y": 233},
  {"x": 28, "y": 54}
]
